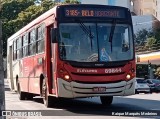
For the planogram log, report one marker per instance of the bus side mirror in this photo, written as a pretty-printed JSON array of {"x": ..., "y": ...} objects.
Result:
[{"x": 53, "y": 35}]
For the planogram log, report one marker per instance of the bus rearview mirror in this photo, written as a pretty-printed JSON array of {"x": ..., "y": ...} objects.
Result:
[{"x": 53, "y": 35}]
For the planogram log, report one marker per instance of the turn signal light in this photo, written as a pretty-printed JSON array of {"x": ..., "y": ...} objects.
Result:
[
  {"x": 64, "y": 75},
  {"x": 128, "y": 76},
  {"x": 67, "y": 77}
]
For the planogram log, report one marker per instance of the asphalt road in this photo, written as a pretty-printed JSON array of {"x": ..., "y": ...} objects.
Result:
[{"x": 86, "y": 108}]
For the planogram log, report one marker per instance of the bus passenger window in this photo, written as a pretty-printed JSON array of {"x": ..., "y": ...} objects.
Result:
[
  {"x": 25, "y": 45},
  {"x": 14, "y": 50},
  {"x": 40, "y": 40},
  {"x": 32, "y": 42},
  {"x": 19, "y": 48}
]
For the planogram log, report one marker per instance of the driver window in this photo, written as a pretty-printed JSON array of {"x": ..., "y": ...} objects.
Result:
[
  {"x": 117, "y": 42},
  {"x": 125, "y": 37}
]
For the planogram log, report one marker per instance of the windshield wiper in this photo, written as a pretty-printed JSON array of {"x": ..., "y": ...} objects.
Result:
[
  {"x": 87, "y": 31},
  {"x": 112, "y": 33}
]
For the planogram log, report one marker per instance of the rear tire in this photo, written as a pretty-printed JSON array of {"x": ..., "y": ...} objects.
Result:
[
  {"x": 106, "y": 100},
  {"x": 29, "y": 96},
  {"x": 22, "y": 95}
]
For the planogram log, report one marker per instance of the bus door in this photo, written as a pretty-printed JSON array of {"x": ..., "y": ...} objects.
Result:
[{"x": 50, "y": 53}]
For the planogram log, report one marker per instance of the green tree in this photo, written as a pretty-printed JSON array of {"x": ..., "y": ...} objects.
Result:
[
  {"x": 11, "y": 8},
  {"x": 26, "y": 16},
  {"x": 32, "y": 12},
  {"x": 71, "y": 2},
  {"x": 142, "y": 35},
  {"x": 10, "y": 11},
  {"x": 157, "y": 73},
  {"x": 157, "y": 35},
  {"x": 47, "y": 4},
  {"x": 151, "y": 42},
  {"x": 141, "y": 70}
]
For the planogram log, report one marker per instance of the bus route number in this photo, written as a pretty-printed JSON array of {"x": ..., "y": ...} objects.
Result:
[{"x": 72, "y": 13}]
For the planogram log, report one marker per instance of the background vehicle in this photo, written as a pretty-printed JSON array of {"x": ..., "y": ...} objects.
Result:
[
  {"x": 74, "y": 51},
  {"x": 141, "y": 86},
  {"x": 154, "y": 85}
]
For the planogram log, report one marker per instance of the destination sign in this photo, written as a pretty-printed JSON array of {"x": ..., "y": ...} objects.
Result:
[{"x": 94, "y": 12}]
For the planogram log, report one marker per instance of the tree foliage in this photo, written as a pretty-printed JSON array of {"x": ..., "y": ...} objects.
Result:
[
  {"x": 141, "y": 70},
  {"x": 47, "y": 4},
  {"x": 9, "y": 12},
  {"x": 157, "y": 35},
  {"x": 11, "y": 8},
  {"x": 142, "y": 35},
  {"x": 71, "y": 2},
  {"x": 151, "y": 42},
  {"x": 26, "y": 16},
  {"x": 157, "y": 72}
]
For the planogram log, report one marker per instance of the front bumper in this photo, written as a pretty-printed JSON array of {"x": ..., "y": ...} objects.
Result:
[{"x": 75, "y": 90}]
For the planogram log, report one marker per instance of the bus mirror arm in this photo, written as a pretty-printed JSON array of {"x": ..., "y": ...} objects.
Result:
[{"x": 54, "y": 35}]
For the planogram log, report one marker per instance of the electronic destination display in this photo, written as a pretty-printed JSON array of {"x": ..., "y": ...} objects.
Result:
[{"x": 94, "y": 12}]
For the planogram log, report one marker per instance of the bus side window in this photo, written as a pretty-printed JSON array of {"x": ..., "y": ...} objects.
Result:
[
  {"x": 32, "y": 42},
  {"x": 25, "y": 45},
  {"x": 19, "y": 46},
  {"x": 40, "y": 39},
  {"x": 14, "y": 50}
]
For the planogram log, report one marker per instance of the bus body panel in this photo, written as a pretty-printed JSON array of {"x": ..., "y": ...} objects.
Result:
[{"x": 98, "y": 74}]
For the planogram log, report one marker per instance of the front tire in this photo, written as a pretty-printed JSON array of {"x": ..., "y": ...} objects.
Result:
[
  {"x": 106, "y": 100},
  {"x": 46, "y": 98}
]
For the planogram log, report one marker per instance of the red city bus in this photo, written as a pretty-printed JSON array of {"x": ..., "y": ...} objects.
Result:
[{"x": 74, "y": 51}]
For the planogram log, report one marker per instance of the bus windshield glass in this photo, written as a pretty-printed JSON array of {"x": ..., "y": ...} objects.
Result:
[{"x": 90, "y": 42}]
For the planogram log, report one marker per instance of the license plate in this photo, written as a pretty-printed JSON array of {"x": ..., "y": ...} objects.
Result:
[{"x": 99, "y": 89}]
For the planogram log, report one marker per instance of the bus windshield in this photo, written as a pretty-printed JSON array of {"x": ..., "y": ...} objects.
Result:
[{"x": 90, "y": 42}]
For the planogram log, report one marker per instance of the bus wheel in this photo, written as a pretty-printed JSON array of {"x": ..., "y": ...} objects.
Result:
[
  {"x": 29, "y": 96},
  {"x": 46, "y": 98},
  {"x": 106, "y": 100},
  {"x": 22, "y": 95}
]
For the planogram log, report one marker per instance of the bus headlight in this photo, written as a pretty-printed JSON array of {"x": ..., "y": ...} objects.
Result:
[
  {"x": 128, "y": 76},
  {"x": 66, "y": 77}
]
